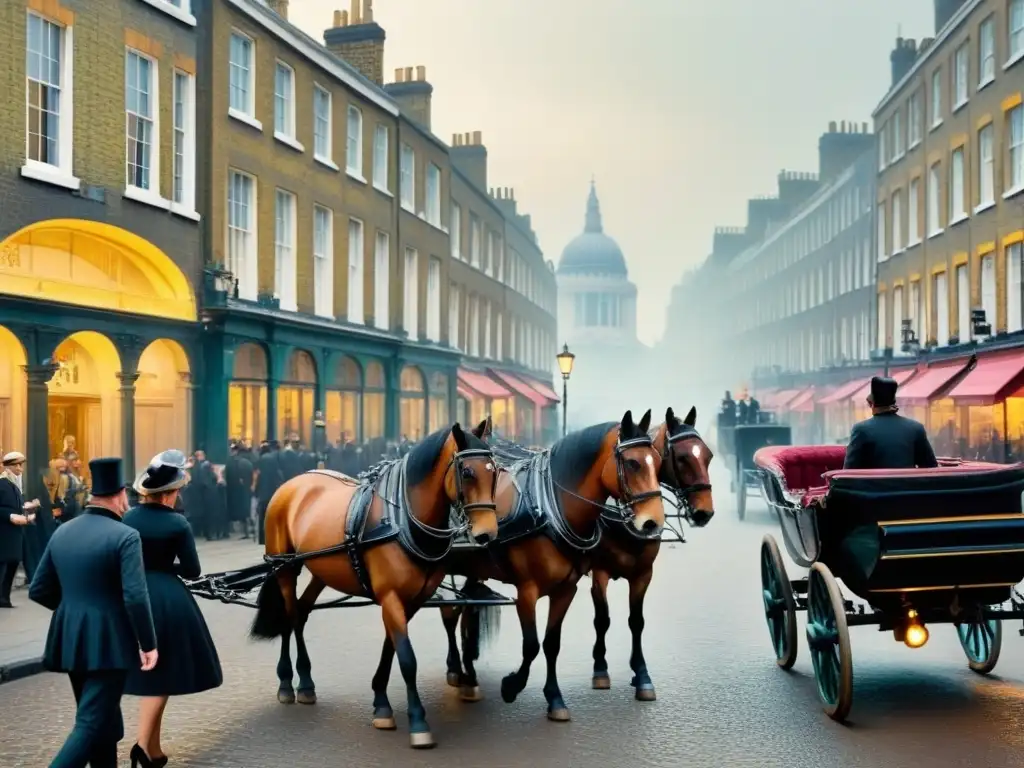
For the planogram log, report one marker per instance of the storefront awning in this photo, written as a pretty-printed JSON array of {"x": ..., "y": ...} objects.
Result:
[
  {"x": 803, "y": 403},
  {"x": 465, "y": 392},
  {"x": 482, "y": 385},
  {"x": 544, "y": 389},
  {"x": 521, "y": 388},
  {"x": 990, "y": 381},
  {"x": 929, "y": 383},
  {"x": 780, "y": 399},
  {"x": 900, "y": 377},
  {"x": 844, "y": 392}
]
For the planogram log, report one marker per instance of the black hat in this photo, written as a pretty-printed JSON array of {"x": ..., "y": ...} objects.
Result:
[
  {"x": 883, "y": 392},
  {"x": 107, "y": 476}
]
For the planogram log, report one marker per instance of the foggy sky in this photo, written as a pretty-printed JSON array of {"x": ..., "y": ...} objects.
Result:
[{"x": 680, "y": 109}]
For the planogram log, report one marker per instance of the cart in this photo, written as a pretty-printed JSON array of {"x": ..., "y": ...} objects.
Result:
[{"x": 747, "y": 439}]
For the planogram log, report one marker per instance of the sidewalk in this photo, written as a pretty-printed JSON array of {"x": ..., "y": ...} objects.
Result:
[{"x": 23, "y": 629}]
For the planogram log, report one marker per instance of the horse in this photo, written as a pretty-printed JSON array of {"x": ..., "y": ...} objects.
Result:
[
  {"x": 396, "y": 528},
  {"x": 549, "y": 508},
  {"x": 626, "y": 554}
]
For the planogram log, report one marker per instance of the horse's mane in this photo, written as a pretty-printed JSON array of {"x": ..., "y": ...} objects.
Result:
[
  {"x": 573, "y": 456},
  {"x": 423, "y": 457}
]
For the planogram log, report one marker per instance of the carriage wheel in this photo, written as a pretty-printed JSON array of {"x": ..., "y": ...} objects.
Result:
[
  {"x": 829, "y": 639},
  {"x": 741, "y": 495},
  {"x": 982, "y": 641},
  {"x": 779, "y": 603}
]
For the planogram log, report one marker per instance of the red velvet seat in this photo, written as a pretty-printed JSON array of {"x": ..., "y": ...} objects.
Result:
[{"x": 800, "y": 467}]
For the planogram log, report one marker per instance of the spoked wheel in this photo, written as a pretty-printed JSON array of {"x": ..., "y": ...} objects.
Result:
[
  {"x": 982, "y": 641},
  {"x": 779, "y": 603},
  {"x": 829, "y": 641}
]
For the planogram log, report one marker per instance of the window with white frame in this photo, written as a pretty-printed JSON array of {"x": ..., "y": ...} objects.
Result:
[
  {"x": 914, "y": 310},
  {"x": 897, "y": 134},
  {"x": 914, "y": 212},
  {"x": 897, "y": 319},
  {"x": 322, "y": 142},
  {"x": 499, "y": 260},
  {"x": 914, "y": 119},
  {"x": 1016, "y": 28},
  {"x": 285, "y": 277},
  {"x": 488, "y": 312},
  {"x": 473, "y": 343},
  {"x": 498, "y": 345},
  {"x": 986, "y": 167},
  {"x": 883, "y": 326},
  {"x": 475, "y": 237},
  {"x": 453, "y": 316},
  {"x": 354, "y": 142},
  {"x": 455, "y": 231},
  {"x": 934, "y": 198},
  {"x": 356, "y": 255},
  {"x": 381, "y": 281},
  {"x": 434, "y": 299},
  {"x": 183, "y": 186},
  {"x": 1015, "y": 148},
  {"x": 49, "y": 102},
  {"x": 963, "y": 303},
  {"x": 433, "y": 203},
  {"x": 883, "y": 153},
  {"x": 987, "y": 51},
  {"x": 883, "y": 252},
  {"x": 143, "y": 137},
  {"x": 957, "y": 204},
  {"x": 936, "y": 105},
  {"x": 380, "y": 157},
  {"x": 1014, "y": 288},
  {"x": 407, "y": 182},
  {"x": 241, "y": 234},
  {"x": 411, "y": 293},
  {"x": 241, "y": 76},
  {"x": 897, "y": 222},
  {"x": 988, "y": 288},
  {"x": 961, "y": 69},
  {"x": 323, "y": 261},
  {"x": 284, "y": 101}
]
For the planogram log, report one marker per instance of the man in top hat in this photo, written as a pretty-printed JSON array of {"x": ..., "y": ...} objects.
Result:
[
  {"x": 888, "y": 440},
  {"x": 92, "y": 576},
  {"x": 15, "y": 514}
]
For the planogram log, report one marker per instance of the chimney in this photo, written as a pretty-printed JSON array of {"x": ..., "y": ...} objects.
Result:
[
  {"x": 944, "y": 11},
  {"x": 469, "y": 156},
  {"x": 902, "y": 58},
  {"x": 412, "y": 93},
  {"x": 280, "y": 7},
  {"x": 838, "y": 150},
  {"x": 357, "y": 38}
]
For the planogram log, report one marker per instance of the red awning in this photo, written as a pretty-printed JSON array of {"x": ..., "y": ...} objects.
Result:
[
  {"x": 543, "y": 388},
  {"x": 990, "y": 381},
  {"x": 779, "y": 399},
  {"x": 482, "y": 385},
  {"x": 843, "y": 392},
  {"x": 522, "y": 388},
  {"x": 804, "y": 402},
  {"x": 929, "y": 383},
  {"x": 900, "y": 377},
  {"x": 463, "y": 392}
]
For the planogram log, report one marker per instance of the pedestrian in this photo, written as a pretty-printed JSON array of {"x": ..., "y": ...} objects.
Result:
[
  {"x": 188, "y": 659},
  {"x": 15, "y": 515},
  {"x": 91, "y": 576},
  {"x": 238, "y": 475},
  {"x": 268, "y": 479}
]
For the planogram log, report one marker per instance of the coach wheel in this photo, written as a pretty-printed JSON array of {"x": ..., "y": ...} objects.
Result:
[
  {"x": 779, "y": 603},
  {"x": 982, "y": 641},
  {"x": 829, "y": 640}
]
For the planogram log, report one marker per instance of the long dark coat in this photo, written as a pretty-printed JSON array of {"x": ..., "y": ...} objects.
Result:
[{"x": 12, "y": 537}]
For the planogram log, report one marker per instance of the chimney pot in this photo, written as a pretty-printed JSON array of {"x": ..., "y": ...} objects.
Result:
[
  {"x": 832, "y": 126},
  {"x": 399, "y": 74},
  {"x": 337, "y": 19},
  {"x": 478, "y": 138},
  {"x": 864, "y": 126},
  {"x": 354, "y": 13},
  {"x": 467, "y": 139},
  {"x": 408, "y": 74},
  {"x": 421, "y": 73},
  {"x": 367, "y": 11}
]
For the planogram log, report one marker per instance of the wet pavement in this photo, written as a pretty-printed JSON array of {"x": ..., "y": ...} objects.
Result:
[{"x": 721, "y": 699}]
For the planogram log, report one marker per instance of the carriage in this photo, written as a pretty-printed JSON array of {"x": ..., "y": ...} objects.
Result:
[
  {"x": 917, "y": 546},
  {"x": 741, "y": 443}
]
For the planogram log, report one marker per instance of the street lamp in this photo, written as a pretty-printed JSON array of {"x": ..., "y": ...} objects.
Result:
[{"x": 565, "y": 360}]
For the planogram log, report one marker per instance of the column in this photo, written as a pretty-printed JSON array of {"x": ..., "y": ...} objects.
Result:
[
  {"x": 128, "y": 379},
  {"x": 210, "y": 414},
  {"x": 37, "y": 427},
  {"x": 272, "y": 384},
  {"x": 453, "y": 398},
  {"x": 392, "y": 412}
]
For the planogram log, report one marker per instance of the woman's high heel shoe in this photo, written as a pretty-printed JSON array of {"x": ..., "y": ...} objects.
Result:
[{"x": 141, "y": 760}]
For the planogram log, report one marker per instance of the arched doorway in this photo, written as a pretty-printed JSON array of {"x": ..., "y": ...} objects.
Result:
[
  {"x": 247, "y": 395},
  {"x": 295, "y": 398},
  {"x": 438, "y": 401},
  {"x": 412, "y": 404},
  {"x": 13, "y": 391},
  {"x": 84, "y": 412},
  {"x": 163, "y": 401},
  {"x": 343, "y": 402},
  {"x": 375, "y": 399}
]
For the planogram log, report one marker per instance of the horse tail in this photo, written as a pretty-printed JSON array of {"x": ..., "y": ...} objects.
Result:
[
  {"x": 273, "y": 618},
  {"x": 481, "y": 624}
]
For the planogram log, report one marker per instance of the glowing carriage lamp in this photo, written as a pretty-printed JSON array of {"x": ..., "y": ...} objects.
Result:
[
  {"x": 565, "y": 360},
  {"x": 915, "y": 634}
]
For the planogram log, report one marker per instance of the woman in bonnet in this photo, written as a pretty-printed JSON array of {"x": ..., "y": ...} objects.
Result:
[{"x": 188, "y": 658}]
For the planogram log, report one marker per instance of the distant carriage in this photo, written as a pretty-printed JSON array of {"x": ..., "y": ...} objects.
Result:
[{"x": 738, "y": 444}]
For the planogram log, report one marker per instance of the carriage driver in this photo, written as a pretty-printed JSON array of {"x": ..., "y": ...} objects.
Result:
[{"x": 887, "y": 440}]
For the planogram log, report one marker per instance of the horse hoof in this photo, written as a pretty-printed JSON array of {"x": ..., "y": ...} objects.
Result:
[
  {"x": 508, "y": 692},
  {"x": 453, "y": 679},
  {"x": 286, "y": 696},
  {"x": 306, "y": 697},
  {"x": 470, "y": 693},
  {"x": 602, "y": 682},
  {"x": 424, "y": 740},
  {"x": 386, "y": 723},
  {"x": 560, "y": 715},
  {"x": 646, "y": 693}
]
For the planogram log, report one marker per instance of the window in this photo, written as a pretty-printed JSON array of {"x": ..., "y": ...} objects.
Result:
[
  {"x": 897, "y": 135},
  {"x": 960, "y": 72},
  {"x": 1015, "y": 151},
  {"x": 936, "y": 97},
  {"x": 914, "y": 120},
  {"x": 380, "y": 157},
  {"x": 183, "y": 188},
  {"x": 241, "y": 78},
  {"x": 957, "y": 206},
  {"x": 411, "y": 289},
  {"x": 1016, "y": 29},
  {"x": 897, "y": 223},
  {"x": 897, "y": 319},
  {"x": 941, "y": 292},
  {"x": 473, "y": 344},
  {"x": 883, "y": 156},
  {"x": 915, "y": 309},
  {"x": 284, "y": 102},
  {"x": 322, "y": 125},
  {"x": 323, "y": 261},
  {"x": 883, "y": 253},
  {"x": 963, "y": 303},
  {"x": 354, "y": 145},
  {"x": 1014, "y": 288},
  {"x": 241, "y": 246},
  {"x": 475, "y": 236},
  {"x": 934, "y": 190},
  {"x": 433, "y": 206},
  {"x": 986, "y": 167},
  {"x": 986, "y": 52},
  {"x": 49, "y": 103},
  {"x": 356, "y": 255},
  {"x": 407, "y": 182},
  {"x": 488, "y": 312},
  {"x": 142, "y": 107},
  {"x": 883, "y": 327},
  {"x": 381, "y": 281},
  {"x": 434, "y": 299},
  {"x": 456, "y": 231},
  {"x": 284, "y": 250},
  {"x": 453, "y": 317},
  {"x": 914, "y": 212},
  {"x": 498, "y": 345},
  {"x": 988, "y": 288}
]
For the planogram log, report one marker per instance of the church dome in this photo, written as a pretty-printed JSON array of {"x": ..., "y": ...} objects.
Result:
[{"x": 593, "y": 252}]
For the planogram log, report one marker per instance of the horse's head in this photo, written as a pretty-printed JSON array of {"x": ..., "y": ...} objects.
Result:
[
  {"x": 685, "y": 468},
  {"x": 472, "y": 480},
  {"x": 630, "y": 475}
]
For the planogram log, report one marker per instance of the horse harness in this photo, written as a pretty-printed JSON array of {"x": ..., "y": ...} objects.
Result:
[{"x": 681, "y": 492}]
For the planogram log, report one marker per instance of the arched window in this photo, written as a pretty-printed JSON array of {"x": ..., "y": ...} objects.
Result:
[
  {"x": 344, "y": 402},
  {"x": 412, "y": 404},
  {"x": 374, "y": 401},
  {"x": 438, "y": 401},
  {"x": 295, "y": 399},
  {"x": 247, "y": 394}
]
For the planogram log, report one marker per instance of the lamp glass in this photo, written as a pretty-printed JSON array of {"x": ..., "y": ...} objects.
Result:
[{"x": 565, "y": 360}]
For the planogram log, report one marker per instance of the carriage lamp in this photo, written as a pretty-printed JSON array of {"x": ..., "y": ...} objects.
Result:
[
  {"x": 565, "y": 360},
  {"x": 916, "y": 634}
]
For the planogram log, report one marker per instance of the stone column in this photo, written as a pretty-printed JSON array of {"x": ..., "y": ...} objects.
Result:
[
  {"x": 37, "y": 427},
  {"x": 392, "y": 403},
  {"x": 272, "y": 385},
  {"x": 127, "y": 390}
]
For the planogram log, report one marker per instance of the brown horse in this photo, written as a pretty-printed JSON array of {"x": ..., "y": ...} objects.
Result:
[
  {"x": 385, "y": 540},
  {"x": 626, "y": 554},
  {"x": 549, "y": 509}
]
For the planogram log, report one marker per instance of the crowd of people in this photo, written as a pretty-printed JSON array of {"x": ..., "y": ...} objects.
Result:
[{"x": 746, "y": 410}]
